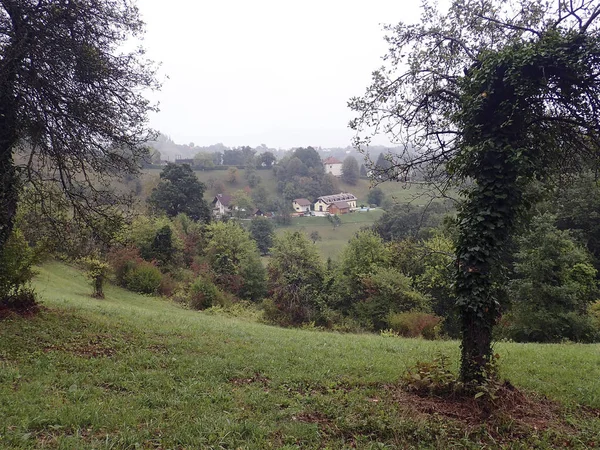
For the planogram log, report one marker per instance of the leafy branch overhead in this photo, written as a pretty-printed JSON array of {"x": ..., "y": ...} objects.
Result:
[{"x": 73, "y": 110}]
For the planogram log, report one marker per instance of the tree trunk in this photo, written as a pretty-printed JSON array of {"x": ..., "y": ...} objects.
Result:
[
  {"x": 9, "y": 190},
  {"x": 476, "y": 346}
]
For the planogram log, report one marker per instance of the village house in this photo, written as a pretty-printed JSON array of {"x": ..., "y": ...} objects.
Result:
[
  {"x": 333, "y": 166},
  {"x": 221, "y": 205},
  {"x": 340, "y": 203},
  {"x": 301, "y": 205}
]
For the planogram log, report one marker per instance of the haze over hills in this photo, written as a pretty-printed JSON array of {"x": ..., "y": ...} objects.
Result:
[{"x": 171, "y": 151}]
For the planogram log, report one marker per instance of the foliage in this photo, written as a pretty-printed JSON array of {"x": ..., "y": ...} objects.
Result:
[
  {"x": 350, "y": 170},
  {"x": 265, "y": 160},
  {"x": 577, "y": 208},
  {"x": 203, "y": 293},
  {"x": 385, "y": 291},
  {"x": 409, "y": 221},
  {"x": 262, "y": 231},
  {"x": 315, "y": 236},
  {"x": 97, "y": 271},
  {"x": 72, "y": 112},
  {"x": 415, "y": 324},
  {"x": 242, "y": 204},
  {"x": 144, "y": 277},
  {"x": 497, "y": 99},
  {"x": 295, "y": 280},
  {"x": 553, "y": 288},
  {"x": 376, "y": 196},
  {"x": 234, "y": 260},
  {"x": 122, "y": 261},
  {"x": 179, "y": 191},
  {"x": 301, "y": 175},
  {"x": 16, "y": 268},
  {"x": 334, "y": 220},
  {"x": 431, "y": 377}
]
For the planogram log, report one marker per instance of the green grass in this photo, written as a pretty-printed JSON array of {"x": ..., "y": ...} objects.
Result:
[
  {"x": 140, "y": 372},
  {"x": 332, "y": 241}
]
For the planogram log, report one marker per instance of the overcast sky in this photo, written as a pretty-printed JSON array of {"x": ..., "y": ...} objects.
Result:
[{"x": 278, "y": 72}]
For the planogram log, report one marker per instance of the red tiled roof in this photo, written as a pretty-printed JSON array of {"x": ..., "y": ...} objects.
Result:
[{"x": 331, "y": 160}]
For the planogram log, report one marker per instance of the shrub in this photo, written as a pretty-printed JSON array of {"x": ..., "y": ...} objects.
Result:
[
  {"x": 203, "y": 293},
  {"x": 16, "y": 261},
  {"x": 144, "y": 278},
  {"x": 123, "y": 260},
  {"x": 594, "y": 312},
  {"x": 168, "y": 285},
  {"x": 415, "y": 324},
  {"x": 97, "y": 271}
]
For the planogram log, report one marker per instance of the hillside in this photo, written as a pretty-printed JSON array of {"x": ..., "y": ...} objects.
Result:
[{"x": 140, "y": 372}]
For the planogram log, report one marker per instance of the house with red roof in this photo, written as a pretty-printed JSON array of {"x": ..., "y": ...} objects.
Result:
[{"x": 333, "y": 166}]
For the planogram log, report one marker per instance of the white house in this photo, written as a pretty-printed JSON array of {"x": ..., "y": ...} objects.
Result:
[
  {"x": 221, "y": 204},
  {"x": 301, "y": 205},
  {"x": 333, "y": 166}
]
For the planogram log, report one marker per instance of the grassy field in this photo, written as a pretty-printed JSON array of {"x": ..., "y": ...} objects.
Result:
[
  {"x": 139, "y": 372},
  {"x": 332, "y": 240}
]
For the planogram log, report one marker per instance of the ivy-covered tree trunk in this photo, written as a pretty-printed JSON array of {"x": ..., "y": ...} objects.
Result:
[{"x": 486, "y": 222}]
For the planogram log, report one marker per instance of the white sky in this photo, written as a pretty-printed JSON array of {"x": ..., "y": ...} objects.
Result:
[{"x": 278, "y": 72}]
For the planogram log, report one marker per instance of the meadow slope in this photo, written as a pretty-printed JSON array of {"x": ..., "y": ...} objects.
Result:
[{"x": 140, "y": 372}]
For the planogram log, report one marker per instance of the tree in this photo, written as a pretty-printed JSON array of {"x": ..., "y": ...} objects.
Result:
[
  {"x": 179, "y": 191},
  {"x": 350, "y": 170},
  {"x": 262, "y": 231},
  {"x": 498, "y": 98},
  {"x": 295, "y": 279},
  {"x": 242, "y": 204},
  {"x": 71, "y": 101},
  {"x": 364, "y": 253},
  {"x": 315, "y": 236},
  {"x": 234, "y": 260},
  {"x": 375, "y": 196},
  {"x": 232, "y": 175},
  {"x": 265, "y": 160},
  {"x": 554, "y": 285},
  {"x": 334, "y": 220}
]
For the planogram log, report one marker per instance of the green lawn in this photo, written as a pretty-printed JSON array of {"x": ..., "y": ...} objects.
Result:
[
  {"x": 140, "y": 372},
  {"x": 332, "y": 240}
]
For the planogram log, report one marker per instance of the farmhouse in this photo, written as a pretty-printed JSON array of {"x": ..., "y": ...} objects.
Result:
[
  {"x": 301, "y": 205},
  {"x": 333, "y": 166},
  {"x": 340, "y": 203},
  {"x": 221, "y": 204}
]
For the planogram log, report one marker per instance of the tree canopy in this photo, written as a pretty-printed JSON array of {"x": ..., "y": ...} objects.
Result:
[
  {"x": 71, "y": 101},
  {"x": 179, "y": 191},
  {"x": 493, "y": 93}
]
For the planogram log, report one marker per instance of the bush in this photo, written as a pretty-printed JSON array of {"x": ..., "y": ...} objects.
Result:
[
  {"x": 97, "y": 271},
  {"x": 16, "y": 261},
  {"x": 415, "y": 324},
  {"x": 168, "y": 286},
  {"x": 22, "y": 300},
  {"x": 123, "y": 261},
  {"x": 144, "y": 278},
  {"x": 203, "y": 293},
  {"x": 594, "y": 312},
  {"x": 529, "y": 325}
]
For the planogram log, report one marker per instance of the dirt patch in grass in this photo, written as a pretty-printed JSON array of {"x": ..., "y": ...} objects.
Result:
[
  {"x": 257, "y": 378},
  {"x": 98, "y": 346},
  {"x": 512, "y": 415},
  {"x": 8, "y": 311}
]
